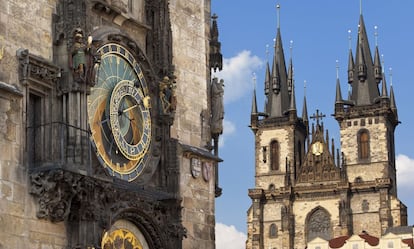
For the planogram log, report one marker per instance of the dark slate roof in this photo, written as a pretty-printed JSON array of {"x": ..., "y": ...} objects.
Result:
[{"x": 400, "y": 230}]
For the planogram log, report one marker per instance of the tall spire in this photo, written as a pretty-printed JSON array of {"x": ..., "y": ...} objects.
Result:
[
  {"x": 351, "y": 64},
  {"x": 384, "y": 93},
  {"x": 254, "y": 101},
  {"x": 290, "y": 69},
  {"x": 292, "y": 98},
  {"x": 364, "y": 81},
  {"x": 305, "y": 107},
  {"x": 278, "y": 99},
  {"x": 377, "y": 61}
]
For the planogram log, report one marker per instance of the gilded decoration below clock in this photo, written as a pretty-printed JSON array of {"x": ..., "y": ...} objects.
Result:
[{"x": 120, "y": 239}]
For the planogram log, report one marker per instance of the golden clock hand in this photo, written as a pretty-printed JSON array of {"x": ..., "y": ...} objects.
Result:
[{"x": 129, "y": 108}]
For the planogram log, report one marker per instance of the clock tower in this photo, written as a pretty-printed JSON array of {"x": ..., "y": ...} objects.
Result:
[{"x": 111, "y": 137}]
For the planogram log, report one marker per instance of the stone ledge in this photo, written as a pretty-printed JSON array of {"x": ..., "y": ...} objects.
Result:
[{"x": 10, "y": 88}]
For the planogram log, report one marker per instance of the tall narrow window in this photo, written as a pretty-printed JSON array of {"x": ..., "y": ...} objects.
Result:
[
  {"x": 34, "y": 129},
  {"x": 273, "y": 231},
  {"x": 274, "y": 155},
  {"x": 363, "y": 145}
]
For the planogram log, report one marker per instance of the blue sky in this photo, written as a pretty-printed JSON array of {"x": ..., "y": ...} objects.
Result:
[{"x": 319, "y": 33}]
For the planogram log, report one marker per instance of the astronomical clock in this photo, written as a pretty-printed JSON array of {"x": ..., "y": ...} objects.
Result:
[{"x": 119, "y": 113}]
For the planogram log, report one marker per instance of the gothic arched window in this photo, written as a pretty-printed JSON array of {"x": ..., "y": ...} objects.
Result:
[
  {"x": 318, "y": 225},
  {"x": 363, "y": 145},
  {"x": 273, "y": 231},
  {"x": 274, "y": 155}
]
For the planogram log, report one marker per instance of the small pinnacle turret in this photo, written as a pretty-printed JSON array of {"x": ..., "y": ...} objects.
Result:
[{"x": 216, "y": 58}]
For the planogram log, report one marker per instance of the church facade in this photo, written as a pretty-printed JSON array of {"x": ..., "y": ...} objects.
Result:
[
  {"x": 304, "y": 187},
  {"x": 109, "y": 124}
]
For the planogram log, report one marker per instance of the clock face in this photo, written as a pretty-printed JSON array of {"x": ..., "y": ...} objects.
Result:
[
  {"x": 119, "y": 114},
  {"x": 317, "y": 148}
]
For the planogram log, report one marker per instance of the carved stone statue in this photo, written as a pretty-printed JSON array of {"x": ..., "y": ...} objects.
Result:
[
  {"x": 83, "y": 59},
  {"x": 78, "y": 58},
  {"x": 217, "y": 107},
  {"x": 167, "y": 95}
]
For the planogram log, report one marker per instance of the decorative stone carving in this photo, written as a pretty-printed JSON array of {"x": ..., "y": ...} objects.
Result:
[
  {"x": 167, "y": 95},
  {"x": 35, "y": 69},
  {"x": 217, "y": 107},
  {"x": 81, "y": 200},
  {"x": 319, "y": 225}
]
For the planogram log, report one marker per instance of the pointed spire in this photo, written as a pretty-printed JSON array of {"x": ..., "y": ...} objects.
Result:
[
  {"x": 275, "y": 75},
  {"x": 254, "y": 101},
  {"x": 338, "y": 97},
  {"x": 267, "y": 79},
  {"x": 292, "y": 98},
  {"x": 384, "y": 93},
  {"x": 364, "y": 83},
  {"x": 278, "y": 99},
  {"x": 216, "y": 58},
  {"x": 290, "y": 70},
  {"x": 305, "y": 107},
  {"x": 377, "y": 66},
  {"x": 362, "y": 66},
  {"x": 377, "y": 61},
  {"x": 392, "y": 98},
  {"x": 351, "y": 64}
]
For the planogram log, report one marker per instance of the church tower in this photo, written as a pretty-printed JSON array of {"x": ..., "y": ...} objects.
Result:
[
  {"x": 367, "y": 121},
  {"x": 280, "y": 137},
  {"x": 306, "y": 188}
]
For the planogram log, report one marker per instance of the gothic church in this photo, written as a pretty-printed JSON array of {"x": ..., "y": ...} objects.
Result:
[{"x": 304, "y": 187}]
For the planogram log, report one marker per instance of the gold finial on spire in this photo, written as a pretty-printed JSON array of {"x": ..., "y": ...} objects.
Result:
[
  {"x": 350, "y": 39},
  {"x": 337, "y": 69},
  {"x": 304, "y": 88},
  {"x": 382, "y": 63},
  {"x": 278, "y": 15},
  {"x": 376, "y": 35},
  {"x": 254, "y": 80},
  {"x": 360, "y": 7},
  {"x": 291, "y": 47},
  {"x": 390, "y": 76}
]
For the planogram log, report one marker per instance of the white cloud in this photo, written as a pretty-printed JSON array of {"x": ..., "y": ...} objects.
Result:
[
  {"x": 228, "y": 129},
  {"x": 405, "y": 171},
  {"x": 227, "y": 237},
  {"x": 237, "y": 74}
]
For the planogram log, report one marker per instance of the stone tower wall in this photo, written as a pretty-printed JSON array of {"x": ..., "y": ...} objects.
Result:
[
  {"x": 365, "y": 213},
  {"x": 264, "y": 176},
  {"x": 190, "y": 22},
  {"x": 23, "y": 24},
  {"x": 377, "y": 166},
  {"x": 190, "y": 25}
]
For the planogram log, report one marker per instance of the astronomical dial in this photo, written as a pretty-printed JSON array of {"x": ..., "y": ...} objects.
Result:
[{"x": 119, "y": 113}]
